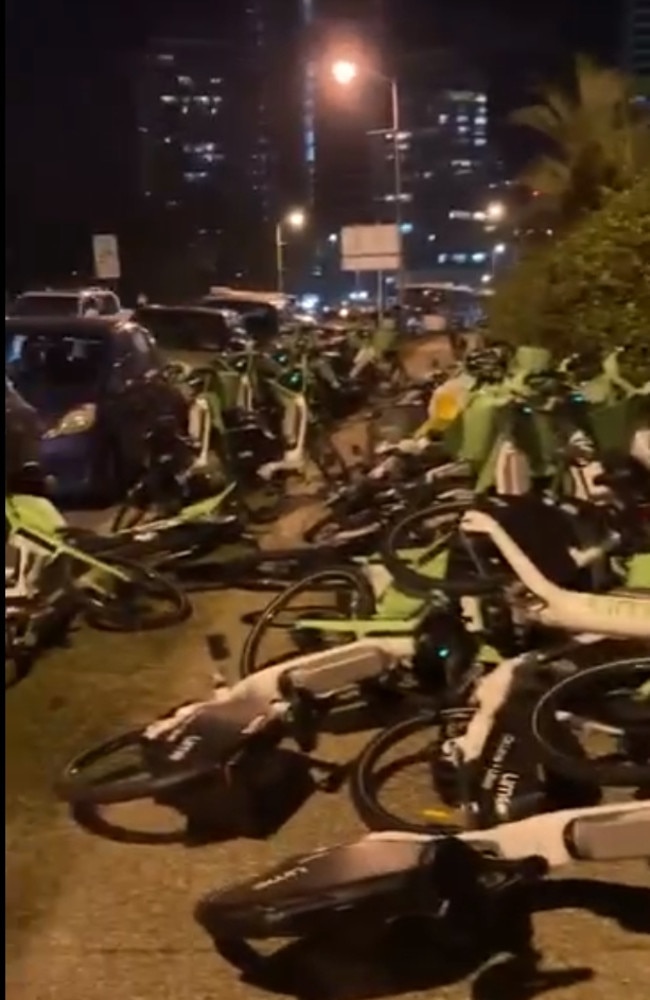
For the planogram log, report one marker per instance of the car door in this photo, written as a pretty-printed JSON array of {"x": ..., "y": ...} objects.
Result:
[{"x": 130, "y": 403}]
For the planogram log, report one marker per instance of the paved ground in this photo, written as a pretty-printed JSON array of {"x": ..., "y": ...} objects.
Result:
[{"x": 93, "y": 919}]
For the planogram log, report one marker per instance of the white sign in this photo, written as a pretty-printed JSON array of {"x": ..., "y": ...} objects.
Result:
[
  {"x": 370, "y": 248},
  {"x": 106, "y": 256}
]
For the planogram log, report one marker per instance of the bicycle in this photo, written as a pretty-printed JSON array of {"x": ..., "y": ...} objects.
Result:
[
  {"x": 534, "y": 708},
  {"x": 463, "y": 885},
  {"x": 57, "y": 566}
]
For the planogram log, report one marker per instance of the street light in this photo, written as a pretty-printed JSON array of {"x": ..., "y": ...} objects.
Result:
[
  {"x": 497, "y": 251},
  {"x": 295, "y": 219},
  {"x": 495, "y": 211},
  {"x": 345, "y": 72}
]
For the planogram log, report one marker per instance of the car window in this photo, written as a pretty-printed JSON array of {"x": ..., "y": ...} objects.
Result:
[
  {"x": 186, "y": 331},
  {"x": 108, "y": 305},
  {"x": 90, "y": 306}
]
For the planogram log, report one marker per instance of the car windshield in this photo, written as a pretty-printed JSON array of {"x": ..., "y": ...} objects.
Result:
[
  {"x": 46, "y": 305},
  {"x": 60, "y": 360}
]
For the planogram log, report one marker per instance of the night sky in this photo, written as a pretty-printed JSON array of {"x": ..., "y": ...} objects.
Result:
[{"x": 68, "y": 111}]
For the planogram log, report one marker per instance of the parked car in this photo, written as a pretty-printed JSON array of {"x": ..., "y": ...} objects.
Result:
[
  {"x": 98, "y": 386},
  {"x": 261, "y": 320},
  {"x": 191, "y": 334},
  {"x": 68, "y": 302}
]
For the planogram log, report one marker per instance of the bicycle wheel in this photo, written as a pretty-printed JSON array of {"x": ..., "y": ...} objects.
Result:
[
  {"x": 384, "y": 799},
  {"x": 145, "y": 601},
  {"x": 602, "y": 695},
  {"x": 125, "y": 777},
  {"x": 339, "y": 592},
  {"x": 430, "y": 530}
]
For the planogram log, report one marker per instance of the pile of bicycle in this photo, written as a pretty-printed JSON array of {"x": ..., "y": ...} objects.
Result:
[{"x": 479, "y": 583}]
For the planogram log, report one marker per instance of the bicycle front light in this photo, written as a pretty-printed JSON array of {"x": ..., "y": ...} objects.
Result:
[{"x": 76, "y": 421}]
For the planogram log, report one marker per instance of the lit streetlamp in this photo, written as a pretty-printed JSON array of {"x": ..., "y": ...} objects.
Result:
[
  {"x": 497, "y": 251},
  {"x": 495, "y": 211},
  {"x": 296, "y": 220},
  {"x": 345, "y": 72}
]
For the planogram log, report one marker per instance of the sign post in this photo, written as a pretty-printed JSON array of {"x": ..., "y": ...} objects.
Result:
[{"x": 106, "y": 256}]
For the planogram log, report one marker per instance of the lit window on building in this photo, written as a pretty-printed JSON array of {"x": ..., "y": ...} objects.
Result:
[
  {"x": 462, "y": 118},
  {"x": 202, "y": 99},
  {"x": 462, "y": 129},
  {"x": 168, "y": 99},
  {"x": 442, "y": 258},
  {"x": 427, "y": 174},
  {"x": 406, "y": 228},
  {"x": 165, "y": 58},
  {"x": 478, "y": 258},
  {"x": 462, "y": 95},
  {"x": 457, "y": 213},
  {"x": 480, "y": 120},
  {"x": 431, "y": 238},
  {"x": 480, "y": 141},
  {"x": 480, "y": 98},
  {"x": 459, "y": 258},
  {"x": 443, "y": 119},
  {"x": 185, "y": 81},
  {"x": 167, "y": 140},
  {"x": 192, "y": 176},
  {"x": 216, "y": 80}
]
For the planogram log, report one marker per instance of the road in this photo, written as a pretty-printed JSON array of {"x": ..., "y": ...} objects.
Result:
[{"x": 89, "y": 918}]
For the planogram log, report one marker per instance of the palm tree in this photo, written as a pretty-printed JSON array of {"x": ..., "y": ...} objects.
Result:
[{"x": 596, "y": 141}]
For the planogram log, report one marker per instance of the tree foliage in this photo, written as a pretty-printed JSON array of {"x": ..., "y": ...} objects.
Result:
[
  {"x": 591, "y": 287},
  {"x": 596, "y": 141}
]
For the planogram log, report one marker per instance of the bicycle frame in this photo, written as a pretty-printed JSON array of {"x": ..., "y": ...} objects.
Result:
[
  {"x": 34, "y": 530},
  {"x": 622, "y": 615}
]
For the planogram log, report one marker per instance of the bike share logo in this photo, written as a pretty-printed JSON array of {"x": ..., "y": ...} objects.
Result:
[
  {"x": 281, "y": 877},
  {"x": 502, "y": 783}
]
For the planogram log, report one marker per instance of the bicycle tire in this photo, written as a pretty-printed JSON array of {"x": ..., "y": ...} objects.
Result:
[
  {"x": 363, "y": 787},
  {"x": 76, "y": 791},
  {"x": 99, "y": 614},
  {"x": 545, "y": 725},
  {"x": 351, "y": 574},
  {"x": 409, "y": 580}
]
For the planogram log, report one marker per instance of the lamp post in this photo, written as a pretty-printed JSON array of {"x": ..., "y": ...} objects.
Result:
[
  {"x": 294, "y": 220},
  {"x": 345, "y": 73}
]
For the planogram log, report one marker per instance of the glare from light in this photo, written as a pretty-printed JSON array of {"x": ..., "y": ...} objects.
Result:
[
  {"x": 344, "y": 71},
  {"x": 495, "y": 211},
  {"x": 486, "y": 279},
  {"x": 344, "y": 313},
  {"x": 296, "y": 218},
  {"x": 406, "y": 227},
  {"x": 333, "y": 238},
  {"x": 500, "y": 248}
]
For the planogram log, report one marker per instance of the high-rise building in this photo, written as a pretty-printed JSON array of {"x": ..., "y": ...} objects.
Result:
[
  {"x": 637, "y": 38},
  {"x": 219, "y": 128},
  {"x": 446, "y": 167}
]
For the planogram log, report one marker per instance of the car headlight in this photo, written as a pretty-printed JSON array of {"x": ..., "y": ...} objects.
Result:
[{"x": 76, "y": 421}]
